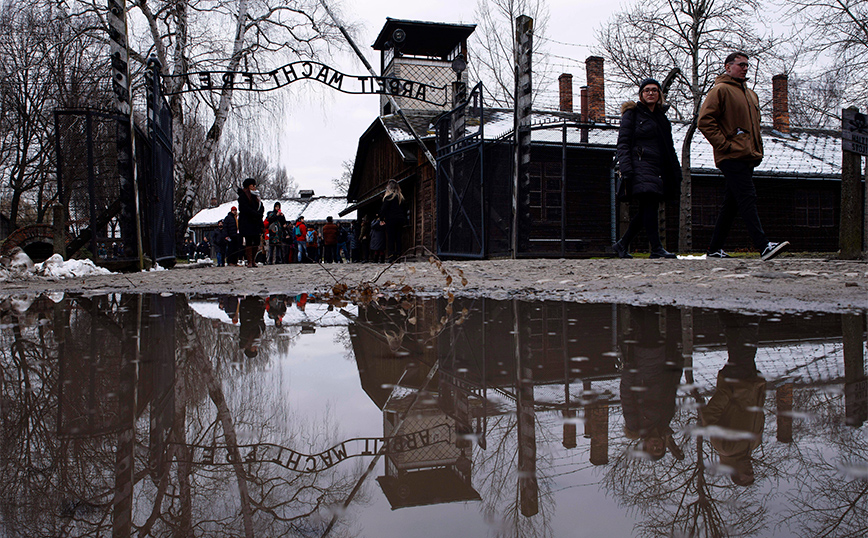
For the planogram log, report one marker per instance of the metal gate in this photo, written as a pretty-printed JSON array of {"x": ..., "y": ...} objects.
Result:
[
  {"x": 95, "y": 182},
  {"x": 460, "y": 185},
  {"x": 160, "y": 185}
]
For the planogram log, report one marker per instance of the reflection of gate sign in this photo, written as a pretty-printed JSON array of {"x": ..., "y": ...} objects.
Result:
[
  {"x": 313, "y": 463},
  {"x": 307, "y": 70}
]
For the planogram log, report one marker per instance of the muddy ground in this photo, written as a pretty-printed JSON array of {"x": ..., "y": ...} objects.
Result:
[{"x": 783, "y": 285}]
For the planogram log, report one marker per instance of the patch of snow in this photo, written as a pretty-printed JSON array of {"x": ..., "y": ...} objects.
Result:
[{"x": 56, "y": 268}]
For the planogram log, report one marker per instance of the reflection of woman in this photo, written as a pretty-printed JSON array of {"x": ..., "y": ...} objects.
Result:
[
  {"x": 251, "y": 310},
  {"x": 738, "y": 399},
  {"x": 652, "y": 372},
  {"x": 646, "y": 157},
  {"x": 392, "y": 216}
]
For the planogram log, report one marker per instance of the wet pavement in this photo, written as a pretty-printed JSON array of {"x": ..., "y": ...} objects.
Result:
[{"x": 167, "y": 414}]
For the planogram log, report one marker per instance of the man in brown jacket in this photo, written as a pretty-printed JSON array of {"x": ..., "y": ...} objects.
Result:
[
  {"x": 730, "y": 120},
  {"x": 330, "y": 241}
]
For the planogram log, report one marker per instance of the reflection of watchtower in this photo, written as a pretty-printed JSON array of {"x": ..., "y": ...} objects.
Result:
[
  {"x": 423, "y": 52},
  {"x": 435, "y": 473}
]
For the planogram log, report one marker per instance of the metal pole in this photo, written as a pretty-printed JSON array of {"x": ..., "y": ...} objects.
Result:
[{"x": 564, "y": 192}]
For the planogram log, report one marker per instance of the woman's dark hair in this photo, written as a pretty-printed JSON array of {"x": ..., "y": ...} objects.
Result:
[{"x": 247, "y": 182}]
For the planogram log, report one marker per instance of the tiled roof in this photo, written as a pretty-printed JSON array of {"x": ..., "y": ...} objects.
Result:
[
  {"x": 314, "y": 209},
  {"x": 804, "y": 153}
]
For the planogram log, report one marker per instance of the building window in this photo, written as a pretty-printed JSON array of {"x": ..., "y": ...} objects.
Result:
[
  {"x": 815, "y": 209},
  {"x": 545, "y": 191},
  {"x": 706, "y": 207}
]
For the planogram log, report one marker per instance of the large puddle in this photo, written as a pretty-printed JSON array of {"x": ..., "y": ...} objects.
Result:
[{"x": 171, "y": 415}]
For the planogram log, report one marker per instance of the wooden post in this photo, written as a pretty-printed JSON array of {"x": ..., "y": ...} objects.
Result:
[
  {"x": 855, "y": 382},
  {"x": 523, "y": 98},
  {"x": 854, "y": 143},
  {"x": 528, "y": 485},
  {"x": 58, "y": 227}
]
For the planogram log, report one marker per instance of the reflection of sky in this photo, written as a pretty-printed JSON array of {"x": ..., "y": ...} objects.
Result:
[
  {"x": 319, "y": 378},
  {"x": 313, "y": 312}
]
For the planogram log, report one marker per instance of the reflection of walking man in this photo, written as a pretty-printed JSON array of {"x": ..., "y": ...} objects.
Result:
[
  {"x": 730, "y": 120},
  {"x": 737, "y": 403}
]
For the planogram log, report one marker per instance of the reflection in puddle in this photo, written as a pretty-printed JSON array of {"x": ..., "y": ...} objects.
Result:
[{"x": 284, "y": 416}]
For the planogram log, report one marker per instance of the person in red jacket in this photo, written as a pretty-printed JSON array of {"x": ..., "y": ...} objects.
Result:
[
  {"x": 330, "y": 241},
  {"x": 300, "y": 232}
]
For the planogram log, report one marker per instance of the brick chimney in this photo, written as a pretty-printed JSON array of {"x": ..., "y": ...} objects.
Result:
[
  {"x": 565, "y": 82},
  {"x": 780, "y": 104},
  {"x": 596, "y": 89}
]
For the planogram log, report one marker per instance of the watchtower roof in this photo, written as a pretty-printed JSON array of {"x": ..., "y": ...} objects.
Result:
[{"x": 433, "y": 39}]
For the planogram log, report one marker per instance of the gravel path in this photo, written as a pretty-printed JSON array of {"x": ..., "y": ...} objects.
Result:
[{"x": 780, "y": 285}]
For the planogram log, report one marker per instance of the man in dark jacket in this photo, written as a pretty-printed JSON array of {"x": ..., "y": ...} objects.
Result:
[
  {"x": 730, "y": 120},
  {"x": 233, "y": 239},
  {"x": 218, "y": 241},
  {"x": 203, "y": 249},
  {"x": 250, "y": 217},
  {"x": 275, "y": 223}
]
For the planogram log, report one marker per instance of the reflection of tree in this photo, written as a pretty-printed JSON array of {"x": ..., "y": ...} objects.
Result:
[
  {"x": 58, "y": 485},
  {"x": 834, "y": 502},
  {"x": 266, "y": 500},
  {"x": 497, "y": 479}
]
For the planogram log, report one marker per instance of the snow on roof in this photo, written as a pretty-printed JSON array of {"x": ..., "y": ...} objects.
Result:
[
  {"x": 806, "y": 153},
  {"x": 314, "y": 313},
  {"x": 314, "y": 209}
]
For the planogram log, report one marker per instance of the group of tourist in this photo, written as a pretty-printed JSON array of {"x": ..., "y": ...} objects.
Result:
[
  {"x": 249, "y": 235},
  {"x": 650, "y": 172}
]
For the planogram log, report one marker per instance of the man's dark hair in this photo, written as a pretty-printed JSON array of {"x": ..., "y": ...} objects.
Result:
[
  {"x": 247, "y": 182},
  {"x": 329, "y": 218},
  {"x": 733, "y": 55}
]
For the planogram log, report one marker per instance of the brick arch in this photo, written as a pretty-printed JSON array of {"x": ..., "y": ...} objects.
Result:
[{"x": 28, "y": 235}]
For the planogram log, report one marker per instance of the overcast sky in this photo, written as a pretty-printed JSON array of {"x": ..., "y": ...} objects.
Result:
[{"x": 320, "y": 133}]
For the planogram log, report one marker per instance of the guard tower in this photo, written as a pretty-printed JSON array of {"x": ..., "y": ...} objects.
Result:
[{"x": 430, "y": 52}]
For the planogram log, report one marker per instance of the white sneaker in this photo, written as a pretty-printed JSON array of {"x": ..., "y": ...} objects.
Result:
[
  {"x": 719, "y": 254},
  {"x": 773, "y": 249}
]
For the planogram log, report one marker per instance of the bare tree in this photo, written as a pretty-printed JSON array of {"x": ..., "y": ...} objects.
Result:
[
  {"x": 342, "y": 183},
  {"x": 495, "y": 45},
  {"x": 815, "y": 101},
  {"x": 45, "y": 62},
  {"x": 692, "y": 35},
  {"x": 836, "y": 36},
  {"x": 231, "y": 35},
  {"x": 279, "y": 185}
]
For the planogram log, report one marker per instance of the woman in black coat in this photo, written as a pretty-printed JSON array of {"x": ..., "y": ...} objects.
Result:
[
  {"x": 649, "y": 166},
  {"x": 393, "y": 215},
  {"x": 250, "y": 213}
]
